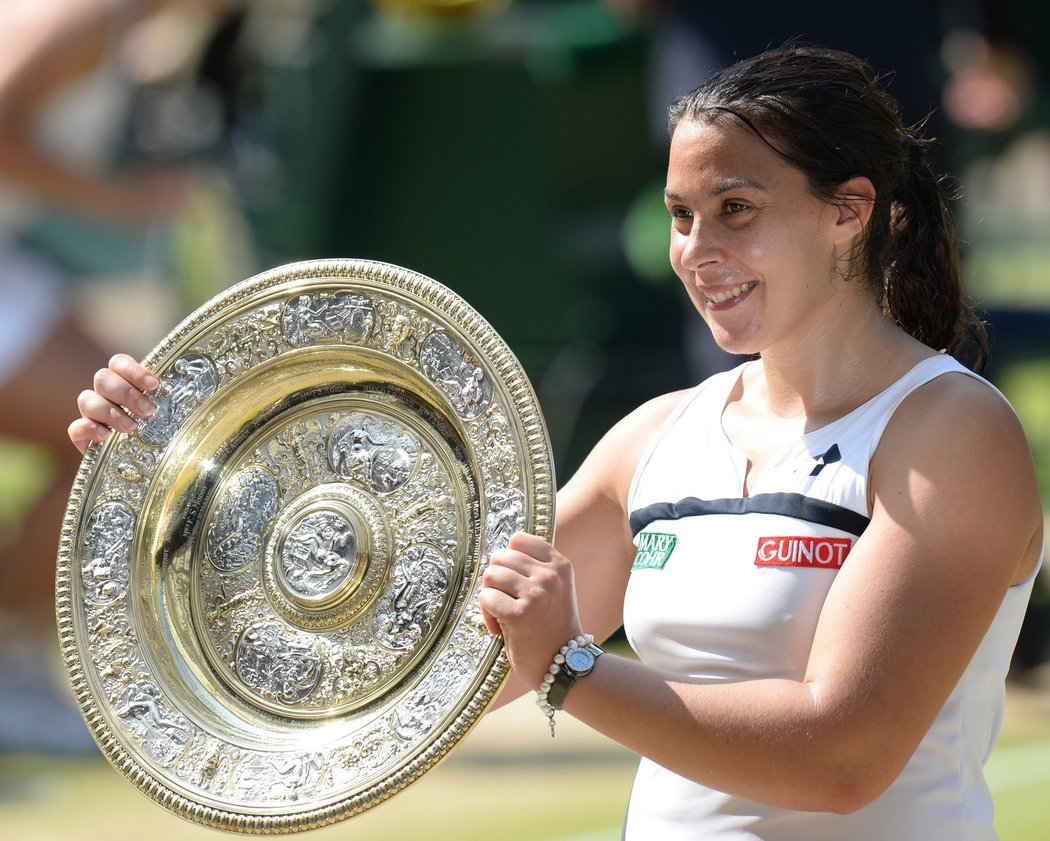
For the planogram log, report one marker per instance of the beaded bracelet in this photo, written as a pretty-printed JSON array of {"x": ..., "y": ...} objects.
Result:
[{"x": 548, "y": 679}]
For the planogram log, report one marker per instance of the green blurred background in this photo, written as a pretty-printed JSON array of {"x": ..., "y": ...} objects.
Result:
[{"x": 508, "y": 151}]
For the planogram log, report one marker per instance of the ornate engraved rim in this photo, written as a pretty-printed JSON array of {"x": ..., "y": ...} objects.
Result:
[{"x": 448, "y": 312}]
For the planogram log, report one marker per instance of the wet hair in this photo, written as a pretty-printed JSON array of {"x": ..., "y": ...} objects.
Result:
[{"x": 824, "y": 112}]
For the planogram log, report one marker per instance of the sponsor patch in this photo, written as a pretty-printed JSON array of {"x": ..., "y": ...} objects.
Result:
[
  {"x": 654, "y": 548},
  {"x": 811, "y": 552}
]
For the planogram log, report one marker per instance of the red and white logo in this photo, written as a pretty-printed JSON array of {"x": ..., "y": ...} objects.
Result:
[{"x": 811, "y": 552}]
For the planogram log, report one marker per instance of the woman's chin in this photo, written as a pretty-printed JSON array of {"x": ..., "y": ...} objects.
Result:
[{"x": 732, "y": 343}]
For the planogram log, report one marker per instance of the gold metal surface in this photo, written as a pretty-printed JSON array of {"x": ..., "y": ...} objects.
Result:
[{"x": 267, "y": 599}]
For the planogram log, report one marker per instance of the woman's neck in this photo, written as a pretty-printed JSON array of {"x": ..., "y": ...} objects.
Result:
[{"x": 836, "y": 368}]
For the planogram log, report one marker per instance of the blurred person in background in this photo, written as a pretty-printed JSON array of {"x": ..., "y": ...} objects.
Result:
[{"x": 65, "y": 99}]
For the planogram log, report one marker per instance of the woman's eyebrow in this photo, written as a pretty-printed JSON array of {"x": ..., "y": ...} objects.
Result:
[
  {"x": 735, "y": 184},
  {"x": 722, "y": 187}
]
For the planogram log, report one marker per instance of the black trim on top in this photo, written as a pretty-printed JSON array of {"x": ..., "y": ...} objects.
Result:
[{"x": 799, "y": 506}]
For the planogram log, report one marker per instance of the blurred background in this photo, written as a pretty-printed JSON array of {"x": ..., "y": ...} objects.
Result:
[{"x": 153, "y": 152}]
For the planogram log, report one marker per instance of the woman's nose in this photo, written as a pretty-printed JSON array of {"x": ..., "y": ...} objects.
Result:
[{"x": 700, "y": 246}]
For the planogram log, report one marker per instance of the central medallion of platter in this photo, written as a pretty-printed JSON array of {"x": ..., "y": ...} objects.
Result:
[{"x": 319, "y": 558}]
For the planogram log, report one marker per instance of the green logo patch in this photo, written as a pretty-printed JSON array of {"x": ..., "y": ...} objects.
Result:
[{"x": 654, "y": 548}]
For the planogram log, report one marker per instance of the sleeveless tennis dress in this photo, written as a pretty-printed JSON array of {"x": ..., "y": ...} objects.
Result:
[{"x": 726, "y": 588}]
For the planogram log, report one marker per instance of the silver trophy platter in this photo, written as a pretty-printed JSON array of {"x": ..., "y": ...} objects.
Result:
[{"x": 268, "y": 597}]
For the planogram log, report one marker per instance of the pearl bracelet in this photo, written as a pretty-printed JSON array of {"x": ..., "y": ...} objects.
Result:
[{"x": 544, "y": 689}]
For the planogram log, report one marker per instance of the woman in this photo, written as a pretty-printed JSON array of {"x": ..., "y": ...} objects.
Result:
[{"x": 823, "y": 556}]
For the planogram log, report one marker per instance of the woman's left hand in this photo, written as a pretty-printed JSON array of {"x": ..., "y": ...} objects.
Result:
[{"x": 529, "y": 598}]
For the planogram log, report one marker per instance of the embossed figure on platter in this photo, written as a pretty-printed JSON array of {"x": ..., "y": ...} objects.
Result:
[
  {"x": 400, "y": 336},
  {"x": 505, "y": 515},
  {"x": 105, "y": 574},
  {"x": 246, "y": 341},
  {"x": 417, "y": 713},
  {"x": 278, "y": 777},
  {"x": 113, "y": 641},
  {"x": 297, "y": 452},
  {"x": 163, "y": 733},
  {"x": 210, "y": 766},
  {"x": 372, "y": 451},
  {"x": 357, "y": 669},
  {"x": 285, "y": 670},
  {"x": 191, "y": 380},
  {"x": 314, "y": 317},
  {"x": 366, "y": 754},
  {"x": 319, "y": 554},
  {"x": 463, "y": 381},
  {"x": 416, "y": 594},
  {"x": 247, "y": 504},
  {"x": 134, "y": 464}
]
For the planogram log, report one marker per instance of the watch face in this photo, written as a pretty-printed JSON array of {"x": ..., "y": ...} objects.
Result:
[{"x": 580, "y": 660}]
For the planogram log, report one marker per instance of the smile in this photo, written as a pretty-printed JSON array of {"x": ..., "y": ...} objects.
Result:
[{"x": 730, "y": 293}]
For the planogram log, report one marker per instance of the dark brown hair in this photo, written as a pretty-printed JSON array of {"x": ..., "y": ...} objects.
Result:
[{"x": 823, "y": 111}]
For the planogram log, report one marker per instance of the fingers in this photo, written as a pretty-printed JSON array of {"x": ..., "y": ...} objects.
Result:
[
  {"x": 126, "y": 382},
  {"x": 523, "y": 553},
  {"x": 496, "y": 608},
  {"x": 523, "y": 578},
  {"x": 119, "y": 388},
  {"x": 83, "y": 433},
  {"x": 514, "y": 583},
  {"x": 491, "y": 623},
  {"x": 506, "y": 582},
  {"x": 116, "y": 391},
  {"x": 94, "y": 407},
  {"x": 528, "y": 597},
  {"x": 531, "y": 545}
]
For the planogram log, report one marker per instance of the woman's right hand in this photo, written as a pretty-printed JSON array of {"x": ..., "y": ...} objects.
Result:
[{"x": 119, "y": 388}]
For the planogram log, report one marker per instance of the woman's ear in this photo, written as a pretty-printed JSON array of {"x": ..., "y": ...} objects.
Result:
[{"x": 855, "y": 200}]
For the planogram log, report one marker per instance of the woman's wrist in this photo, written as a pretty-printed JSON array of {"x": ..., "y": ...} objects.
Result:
[{"x": 575, "y": 659}]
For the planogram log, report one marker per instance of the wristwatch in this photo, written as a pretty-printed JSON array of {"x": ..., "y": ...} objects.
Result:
[{"x": 579, "y": 660}]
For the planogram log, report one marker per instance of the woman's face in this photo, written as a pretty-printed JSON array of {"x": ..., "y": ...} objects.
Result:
[{"x": 755, "y": 249}]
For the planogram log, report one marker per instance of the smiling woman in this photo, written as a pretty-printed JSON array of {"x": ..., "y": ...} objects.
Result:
[
  {"x": 778, "y": 539},
  {"x": 822, "y": 596}
]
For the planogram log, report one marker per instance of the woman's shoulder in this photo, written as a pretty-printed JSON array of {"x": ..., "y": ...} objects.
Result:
[
  {"x": 958, "y": 396},
  {"x": 956, "y": 441},
  {"x": 628, "y": 438},
  {"x": 950, "y": 407},
  {"x": 641, "y": 425},
  {"x": 652, "y": 413},
  {"x": 640, "y": 428}
]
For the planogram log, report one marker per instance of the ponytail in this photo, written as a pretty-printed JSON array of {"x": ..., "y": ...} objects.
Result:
[{"x": 919, "y": 258}]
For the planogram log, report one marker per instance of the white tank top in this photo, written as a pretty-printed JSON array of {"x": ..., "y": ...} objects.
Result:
[{"x": 726, "y": 588}]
